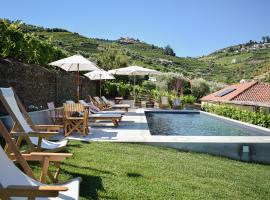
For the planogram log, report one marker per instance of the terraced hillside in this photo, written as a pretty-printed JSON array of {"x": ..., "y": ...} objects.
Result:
[
  {"x": 223, "y": 66},
  {"x": 232, "y": 65},
  {"x": 112, "y": 54}
]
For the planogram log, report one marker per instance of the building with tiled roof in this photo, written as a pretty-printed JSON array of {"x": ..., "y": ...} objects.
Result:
[{"x": 252, "y": 93}]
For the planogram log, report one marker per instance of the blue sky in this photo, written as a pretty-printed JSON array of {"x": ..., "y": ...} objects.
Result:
[{"x": 191, "y": 27}]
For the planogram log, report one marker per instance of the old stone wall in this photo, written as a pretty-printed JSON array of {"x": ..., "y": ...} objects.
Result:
[{"x": 37, "y": 85}]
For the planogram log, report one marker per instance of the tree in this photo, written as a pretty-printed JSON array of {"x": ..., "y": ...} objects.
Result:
[
  {"x": 267, "y": 38},
  {"x": 168, "y": 51},
  {"x": 199, "y": 87},
  {"x": 263, "y": 39}
]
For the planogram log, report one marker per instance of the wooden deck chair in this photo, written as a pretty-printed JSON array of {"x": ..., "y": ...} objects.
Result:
[
  {"x": 43, "y": 157},
  {"x": 115, "y": 106},
  {"x": 75, "y": 119},
  {"x": 55, "y": 114},
  {"x": 15, "y": 184},
  {"x": 24, "y": 129},
  {"x": 164, "y": 102}
]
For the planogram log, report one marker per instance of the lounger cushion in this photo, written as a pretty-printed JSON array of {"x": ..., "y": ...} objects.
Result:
[
  {"x": 112, "y": 112},
  {"x": 121, "y": 106},
  {"x": 106, "y": 115}
]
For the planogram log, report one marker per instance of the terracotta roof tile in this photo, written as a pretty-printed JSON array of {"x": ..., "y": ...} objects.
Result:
[
  {"x": 259, "y": 92},
  {"x": 239, "y": 88}
]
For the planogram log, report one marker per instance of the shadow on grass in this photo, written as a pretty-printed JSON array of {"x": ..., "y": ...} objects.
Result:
[
  {"x": 89, "y": 186},
  {"x": 134, "y": 175}
]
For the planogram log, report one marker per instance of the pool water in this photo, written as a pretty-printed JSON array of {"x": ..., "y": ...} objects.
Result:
[{"x": 196, "y": 124}]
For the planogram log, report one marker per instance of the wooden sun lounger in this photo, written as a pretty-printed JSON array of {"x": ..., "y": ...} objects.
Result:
[
  {"x": 115, "y": 118},
  {"x": 115, "y": 106}
]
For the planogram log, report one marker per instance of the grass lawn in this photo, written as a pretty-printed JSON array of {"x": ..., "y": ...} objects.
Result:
[{"x": 135, "y": 171}]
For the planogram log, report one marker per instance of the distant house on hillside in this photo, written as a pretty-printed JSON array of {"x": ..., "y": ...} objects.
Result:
[{"x": 249, "y": 95}]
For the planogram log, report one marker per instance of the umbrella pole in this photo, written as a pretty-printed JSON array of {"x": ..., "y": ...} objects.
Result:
[
  {"x": 78, "y": 83},
  {"x": 134, "y": 92},
  {"x": 100, "y": 86}
]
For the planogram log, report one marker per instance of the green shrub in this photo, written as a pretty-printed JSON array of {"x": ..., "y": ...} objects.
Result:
[
  {"x": 261, "y": 118},
  {"x": 199, "y": 88},
  {"x": 25, "y": 47},
  {"x": 113, "y": 89}
]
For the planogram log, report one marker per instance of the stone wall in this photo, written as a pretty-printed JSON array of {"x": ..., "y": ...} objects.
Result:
[{"x": 36, "y": 85}]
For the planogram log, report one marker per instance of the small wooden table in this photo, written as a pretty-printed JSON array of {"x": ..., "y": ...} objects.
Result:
[{"x": 117, "y": 100}]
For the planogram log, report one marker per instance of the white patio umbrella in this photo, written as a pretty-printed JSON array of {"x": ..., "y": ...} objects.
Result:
[
  {"x": 133, "y": 71},
  {"x": 99, "y": 75},
  {"x": 75, "y": 63}
]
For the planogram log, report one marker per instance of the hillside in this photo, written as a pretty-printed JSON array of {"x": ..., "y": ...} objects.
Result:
[
  {"x": 231, "y": 64},
  {"x": 224, "y": 66},
  {"x": 244, "y": 61}
]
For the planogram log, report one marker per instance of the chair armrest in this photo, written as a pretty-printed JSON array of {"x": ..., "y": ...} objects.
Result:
[
  {"x": 31, "y": 191},
  {"x": 39, "y": 156},
  {"x": 43, "y": 134},
  {"x": 47, "y": 127}
]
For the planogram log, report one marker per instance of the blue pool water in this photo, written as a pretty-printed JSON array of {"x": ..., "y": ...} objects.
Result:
[{"x": 196, "y": 124}]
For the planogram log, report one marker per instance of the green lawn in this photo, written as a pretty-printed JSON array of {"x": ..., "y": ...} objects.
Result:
[{"x": 135, "y": 171}]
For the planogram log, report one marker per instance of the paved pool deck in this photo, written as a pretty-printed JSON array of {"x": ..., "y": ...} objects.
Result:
[{"x": 134, "y": 128}]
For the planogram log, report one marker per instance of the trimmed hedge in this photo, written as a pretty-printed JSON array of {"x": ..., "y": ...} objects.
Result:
[{"x": 260, "y": 118}]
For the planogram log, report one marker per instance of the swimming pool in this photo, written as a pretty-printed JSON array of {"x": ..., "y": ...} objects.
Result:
[
  {"x": 184, "y": 123},
  {"x": 203, "y": 132}
]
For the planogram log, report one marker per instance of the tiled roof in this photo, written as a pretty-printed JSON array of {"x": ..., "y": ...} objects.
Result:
[
  {"x": 259, "y": 92},
  {"x": 250, "y": 93},
  {"x": 239, "y": 88}
]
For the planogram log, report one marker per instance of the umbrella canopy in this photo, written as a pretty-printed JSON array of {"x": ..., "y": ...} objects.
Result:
[
  {"x": 75, "y": 63},
  {"x": 71, "y": 64},
  {"x": 99, "y": 75},
  {"x": 134, "y": 70}
]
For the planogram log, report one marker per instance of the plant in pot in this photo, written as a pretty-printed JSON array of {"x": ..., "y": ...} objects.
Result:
[
  {"x": 151, "y": 102},
  {"x": 150, "y": 90}
]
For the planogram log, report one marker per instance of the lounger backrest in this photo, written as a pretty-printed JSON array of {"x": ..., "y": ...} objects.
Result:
[
  {"x": 92, "y": 110},
  {"x": 98, "y": 100},
  {"x": 10, "y": 174},
  {"x": 106, "y": 100},
  {"x": 83, "y": 103},
  {"x": 93, "y": 107},
  {"x": 9, "y": 101}
]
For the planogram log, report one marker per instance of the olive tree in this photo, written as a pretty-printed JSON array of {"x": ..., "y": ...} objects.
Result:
[{"x": 199, "y": 87}]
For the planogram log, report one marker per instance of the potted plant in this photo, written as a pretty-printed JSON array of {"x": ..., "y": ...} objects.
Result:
[
  {"x": 138, "y": 102},
  {"x": 150, "y": 103}
]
